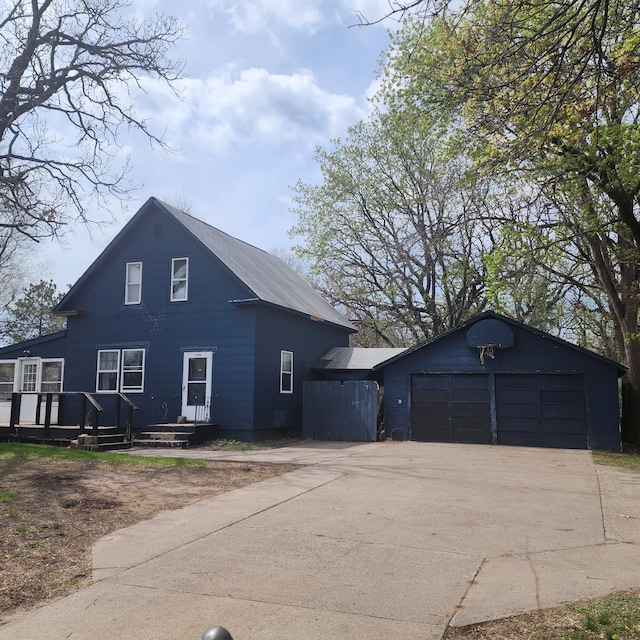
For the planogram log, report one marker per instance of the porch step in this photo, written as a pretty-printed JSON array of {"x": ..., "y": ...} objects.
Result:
[
  {"x": 159, "y": 443},
  {"x": 108, "y": 438},
  {"x": 175, "y": 435},
  {"x": 102, "y": 442}
]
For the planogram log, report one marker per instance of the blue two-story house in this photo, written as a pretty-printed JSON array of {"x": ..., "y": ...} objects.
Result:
[{"x": 184, "y": 320}]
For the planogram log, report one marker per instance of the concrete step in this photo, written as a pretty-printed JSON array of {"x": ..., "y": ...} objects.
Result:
[
  {"x": 158, "y": 443},
  {"x": 102, "y": 442},
  {"x": 177, "y": 435},
  {"x": 163, "y": 435}
]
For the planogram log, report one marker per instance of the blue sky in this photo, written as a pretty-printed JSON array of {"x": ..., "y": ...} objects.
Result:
[{"x": 267, "y": 81}]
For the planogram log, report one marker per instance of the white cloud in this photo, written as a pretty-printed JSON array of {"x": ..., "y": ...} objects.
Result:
[
  {"x": 253, "y": 16},
  {"x": 249, "y": 107}
]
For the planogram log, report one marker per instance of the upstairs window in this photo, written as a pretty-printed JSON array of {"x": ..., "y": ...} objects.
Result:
[
  {"x": 286, "y": 372},
  {"x": 133, "y": 283},
  {"x": 179, "y": 279}
]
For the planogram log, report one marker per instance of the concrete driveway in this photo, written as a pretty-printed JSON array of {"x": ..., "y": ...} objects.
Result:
[{"x": 379, "y": 540}]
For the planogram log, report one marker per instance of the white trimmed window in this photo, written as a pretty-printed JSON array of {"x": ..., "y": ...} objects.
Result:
[
  {"x": 286, "y": 372},
  {"x": 120, "y": 370},
  {"x": 179, "y": 279},
  {"x": 133, "y": 283},
  {"x": 51, "y": 376},
  {"x": 132, "y": 370},
  {"x": 33, "y": 375},
  {"x": 7, "y": 377},
  {"x": 108, "y": 377}
]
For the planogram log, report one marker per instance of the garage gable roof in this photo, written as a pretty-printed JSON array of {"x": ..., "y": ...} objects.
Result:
[{"x": 497, "y": 316}]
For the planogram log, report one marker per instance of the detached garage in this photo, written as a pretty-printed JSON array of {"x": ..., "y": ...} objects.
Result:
[{"x": 493, "y": 380}]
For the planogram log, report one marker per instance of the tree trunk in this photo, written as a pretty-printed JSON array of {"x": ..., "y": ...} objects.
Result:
[{"x": 631, "y": 394}]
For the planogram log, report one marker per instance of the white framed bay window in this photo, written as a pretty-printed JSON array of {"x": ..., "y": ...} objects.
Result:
[{"x": 120, "y": 370}]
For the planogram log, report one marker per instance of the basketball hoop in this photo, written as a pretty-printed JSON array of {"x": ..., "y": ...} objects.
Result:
[{"x": 486, "y": 351}]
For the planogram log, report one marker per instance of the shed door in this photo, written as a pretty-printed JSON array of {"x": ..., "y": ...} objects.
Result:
[
  {"x": 541, "y": 410},
  {"x": 451, "y": 408}
]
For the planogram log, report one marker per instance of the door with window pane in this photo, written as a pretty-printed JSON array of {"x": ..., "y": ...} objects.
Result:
[
  {"x": 196, "y": 385},
  {"x": 29, "y": 373}
]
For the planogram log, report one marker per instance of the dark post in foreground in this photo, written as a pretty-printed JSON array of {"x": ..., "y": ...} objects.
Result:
[{"x": 217, "y": 633}]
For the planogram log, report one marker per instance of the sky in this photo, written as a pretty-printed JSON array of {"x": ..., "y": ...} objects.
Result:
[{"x": 266, "y": 83}]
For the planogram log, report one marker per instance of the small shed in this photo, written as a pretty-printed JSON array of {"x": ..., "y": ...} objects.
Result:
[{"x": 497, "y": 381}]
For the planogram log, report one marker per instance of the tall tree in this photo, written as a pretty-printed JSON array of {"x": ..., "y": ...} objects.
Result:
[
  {"x": 65, "y": 66},
  {"x": 29, "y": 316},
  {"x": 391, "y": 234},
  {"x": 549, "y": 91}
]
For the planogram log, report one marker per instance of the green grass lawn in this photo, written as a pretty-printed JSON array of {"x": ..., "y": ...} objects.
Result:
[
  {"x": 60, "y": 453},
  {"x": 629, "y": 459}
]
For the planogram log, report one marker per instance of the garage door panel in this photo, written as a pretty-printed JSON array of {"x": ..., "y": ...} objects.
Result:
[
  {"x": 431, "y": 382},
  {"x": 469, "y": 395},
  {"x": 555, "y": 382},
  {"x": 431, "y": 434},
  {"x": 564, "y": 412},
  {"x": 519, "y": 439},
  {"x": 431, "y": 421},
  {"x": 431, "y": 395},
  {"x": 461, "y": 381},
  {"x": 519, "y": 411},
  {"x": 451, "y": 408},
  {"x": 517, "y": 381},
  {"x": 431, "y": 409},
  {"x": 521, "y": 396},
  {"x": 530, "y": 425},
  {"x": 472, "y": 436},
  {"x": 562, "y": 426},
  {"x": 563, "y": 441},
  {"x": 562, "y": 397},
  {"x": 553, "y": 414},
  {"x": 471, "y": 409}
]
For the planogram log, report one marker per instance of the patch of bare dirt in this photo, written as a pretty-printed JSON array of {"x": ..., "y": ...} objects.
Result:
[{"x": 53, "y": 511}]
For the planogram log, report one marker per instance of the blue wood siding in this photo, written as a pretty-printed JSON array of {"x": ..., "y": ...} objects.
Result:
[
  {"x": 308, "y": 339},
  {"x": 531, "y": 353}
]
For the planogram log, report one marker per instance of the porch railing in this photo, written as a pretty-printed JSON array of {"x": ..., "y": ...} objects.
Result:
[{"x": 89, "y": 411}]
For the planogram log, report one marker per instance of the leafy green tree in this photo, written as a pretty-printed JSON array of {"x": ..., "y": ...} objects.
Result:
[
  {"x": 29, "y": 316},
  {"x": 392, "y": 234},
  {"x": 548, "y": 91}
]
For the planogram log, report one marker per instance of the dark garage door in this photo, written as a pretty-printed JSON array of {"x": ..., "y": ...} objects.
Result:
[
  {"x": 541, "y": 410},
  {"x": 451, "y": 408}
]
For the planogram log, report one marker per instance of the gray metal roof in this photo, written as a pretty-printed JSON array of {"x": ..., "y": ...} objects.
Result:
[
  {"x": 355, "y": 358},
  {"x": 269, "y": 279}
]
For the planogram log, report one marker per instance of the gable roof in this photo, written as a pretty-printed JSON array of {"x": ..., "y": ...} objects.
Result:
[
  {"x": 497, "y": 316},
  {"x": 268, "y": 279},
  {"x": 354, "y": 358}
]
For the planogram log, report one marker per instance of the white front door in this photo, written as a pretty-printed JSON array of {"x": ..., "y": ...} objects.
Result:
[
  {"x": 29, "y": 377},
  {"x": 197, "y": 374}
]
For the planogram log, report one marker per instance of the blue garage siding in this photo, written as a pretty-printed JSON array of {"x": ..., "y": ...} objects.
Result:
[{"x": 533, "y": 353}]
